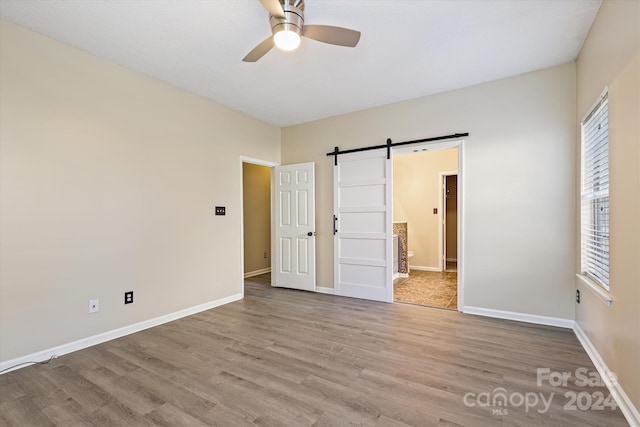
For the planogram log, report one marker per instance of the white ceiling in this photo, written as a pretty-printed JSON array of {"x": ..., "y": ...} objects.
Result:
[{"x": 408, "y": 48}]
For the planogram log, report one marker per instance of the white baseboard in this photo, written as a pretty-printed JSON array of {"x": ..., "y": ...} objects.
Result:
[
  {"x": 520, "y": 317},
  {"x": 257, "y": 272},
  {"x": 421, "y": 268},
  {"x": 43, "y": 355},
  {"x": 323, "y": 290},
  {"x": 624, "y": 403}
]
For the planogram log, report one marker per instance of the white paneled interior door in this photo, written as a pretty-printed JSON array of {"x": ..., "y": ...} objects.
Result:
[
  {"x": 294, "y": 263},
  {"x": 363, "y": 220}
]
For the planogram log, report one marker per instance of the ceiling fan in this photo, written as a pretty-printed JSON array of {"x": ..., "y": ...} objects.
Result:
[{"x": 287, "y": 26}]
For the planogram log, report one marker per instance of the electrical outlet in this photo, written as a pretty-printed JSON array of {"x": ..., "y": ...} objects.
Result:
[
  {"x": 128, "y": 297},
  {"x": 578, "y": 296},
  {"x": 264, "y": 256},
  {"x": 94, "y": 305}
]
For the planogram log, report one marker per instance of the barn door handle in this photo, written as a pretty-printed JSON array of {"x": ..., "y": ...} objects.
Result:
[{"x": 335, "y": 222}]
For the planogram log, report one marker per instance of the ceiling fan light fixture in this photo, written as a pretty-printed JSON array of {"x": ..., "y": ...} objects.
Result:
[
  {"x": 287, "y": 39},
  {"x": 286, "y": 18}
]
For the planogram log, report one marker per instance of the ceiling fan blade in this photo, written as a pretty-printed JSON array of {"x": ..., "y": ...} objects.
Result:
[
  {"x": 332, "y": 35},
  {"x": 259, "y": 51},
  {"x": 274, "y": 7}
]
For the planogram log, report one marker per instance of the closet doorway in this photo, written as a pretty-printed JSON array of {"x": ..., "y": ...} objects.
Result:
[
  {"x": 449, "y": 237},
  {"x": 426, "y": 226},
  {"x": 256, "y": 218}
]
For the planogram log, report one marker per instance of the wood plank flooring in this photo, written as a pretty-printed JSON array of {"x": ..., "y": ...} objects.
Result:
[{"x": 289, "y": 358}]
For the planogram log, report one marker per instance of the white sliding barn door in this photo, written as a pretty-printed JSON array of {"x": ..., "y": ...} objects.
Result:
[
  {"x": 363, "y": 240},
  {"x": 294, "y": 227}
]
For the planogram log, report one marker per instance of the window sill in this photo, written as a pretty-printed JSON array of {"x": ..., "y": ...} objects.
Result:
[{"x": 595, "y": 288}]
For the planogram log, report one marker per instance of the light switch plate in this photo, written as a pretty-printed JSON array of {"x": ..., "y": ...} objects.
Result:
[{"x": 94, "y": 305}]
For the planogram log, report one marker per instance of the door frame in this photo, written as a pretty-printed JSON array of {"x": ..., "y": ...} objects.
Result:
[
  {"x": 271, "y": 165},
  {"x": 460, "y": 145}
]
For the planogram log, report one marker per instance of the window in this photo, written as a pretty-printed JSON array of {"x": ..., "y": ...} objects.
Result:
[{"x": 595, "y": 193}]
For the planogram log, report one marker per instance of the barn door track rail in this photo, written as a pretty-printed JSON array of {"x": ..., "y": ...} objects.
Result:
[{"x": 336, "y": 151}]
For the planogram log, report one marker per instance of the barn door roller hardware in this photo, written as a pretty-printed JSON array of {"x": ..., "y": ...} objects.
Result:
[{"x": 336, "y": 151}]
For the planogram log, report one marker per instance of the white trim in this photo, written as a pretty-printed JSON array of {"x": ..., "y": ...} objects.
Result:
[
  {"x": 257, "y": 272},
  {"x": 43, "y": 355},
  {"x": 422, "y": 268},
  {"x": 461, "y": 186},
  {"x": 323, "y": 290},
  {"x": 629, "y": 411},
  {"x": 595, "y": 288},
  {"x": 245, "y": 159},
  {"x": 520, "y": 317},
  {"x": 389, "y": 227}
]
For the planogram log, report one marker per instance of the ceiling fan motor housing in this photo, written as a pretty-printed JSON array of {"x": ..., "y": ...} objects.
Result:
[{"x": 293, "y": 17}]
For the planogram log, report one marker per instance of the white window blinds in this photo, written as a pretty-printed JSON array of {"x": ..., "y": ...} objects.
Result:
[{"x": 595, "y": 194}]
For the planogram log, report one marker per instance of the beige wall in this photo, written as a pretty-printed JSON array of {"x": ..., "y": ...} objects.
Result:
[
  {"x": 519, "y": 236},
  {"x": 611, "y": 57},
  {"x": 108, "y": 183},
  {"x": 256, "y": 192},
  {"x": 416, "y": 191}
]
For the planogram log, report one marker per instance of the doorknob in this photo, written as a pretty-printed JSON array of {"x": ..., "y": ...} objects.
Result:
[{"x": 310, "y": 234}]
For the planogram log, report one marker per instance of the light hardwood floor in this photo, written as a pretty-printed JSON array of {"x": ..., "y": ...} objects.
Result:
[{"x": 290, "y": 358}]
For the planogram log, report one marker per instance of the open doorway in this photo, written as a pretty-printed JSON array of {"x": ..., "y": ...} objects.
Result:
[
  {"x": 425, "y": 227},
  {"x": 256, "y": 210},
  {"x": 278, "y": 223},
  {"x": 449, "y": 236}
]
